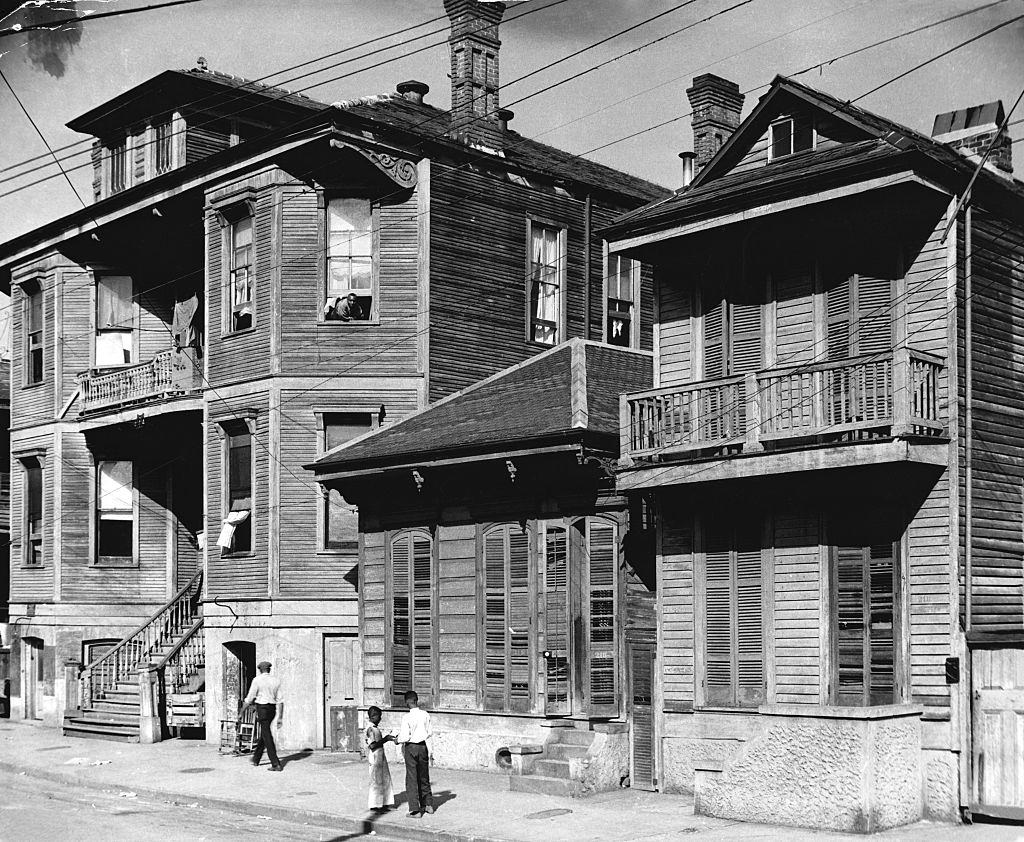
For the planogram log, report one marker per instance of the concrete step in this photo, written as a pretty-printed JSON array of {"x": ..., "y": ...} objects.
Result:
[
  {"x": 552, "y": 768},
  {"x": 544, "y": 786},
  {"x": 572, "y": 737},
  {"x": 126, "y": 716},
  {"x": 99, "y": 731},
  {"x": 563, "y": 751},
  {"x": 117, "y": 705}
]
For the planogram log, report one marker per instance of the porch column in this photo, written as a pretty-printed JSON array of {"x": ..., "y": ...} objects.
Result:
[
  {"x": 69, "y": 697},
  {"x": 150, "y": 730}
]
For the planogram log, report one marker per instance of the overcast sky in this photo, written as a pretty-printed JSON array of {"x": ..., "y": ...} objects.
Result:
[{"x": 61, "y": 75}]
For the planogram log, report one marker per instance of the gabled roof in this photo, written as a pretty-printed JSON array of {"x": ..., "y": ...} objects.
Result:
[
  {"x": 884, "y": 146},
  {"x": 569, "y": 394}
]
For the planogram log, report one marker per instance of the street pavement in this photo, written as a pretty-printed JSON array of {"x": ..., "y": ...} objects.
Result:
[{"x": 326, "y": 794}]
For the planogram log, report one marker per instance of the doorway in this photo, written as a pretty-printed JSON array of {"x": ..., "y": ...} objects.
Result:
[
  {"x": 341, "y": 693},
  {"x": 32, "y": 675},
  {"x": 239, "y": 671}
]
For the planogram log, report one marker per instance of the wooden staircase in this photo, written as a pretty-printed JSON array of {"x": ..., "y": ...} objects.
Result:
[
  {"x": 170, "y": 644},
  {"x": 552, "y": 774}
]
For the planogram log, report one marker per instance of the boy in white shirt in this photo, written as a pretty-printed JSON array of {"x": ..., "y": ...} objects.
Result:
[{"x": 414, "y": 736}]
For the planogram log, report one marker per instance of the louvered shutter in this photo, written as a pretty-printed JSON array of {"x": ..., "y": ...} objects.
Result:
[
  {"x": 872, "y": 317},
  {"x": 746, "y": 338},
  {"x": 520, "y": 619},
  {"x": 602, "y": 569},
  {"x": 714, "y": 337},
  {"x": 750, "y": 685},
  {"x": 401, "y": 631},
  {"x": 556, "y": 621},
  {"x": 718, "y": 637},
  {"x": 422, "y": 618},
  {"x": 851, "y": 631},
  {"x": 494, "y": 620},
  {"x": 641, "y": 772},
  {"x": 881, "y": 614},
  {"x": 838, "y": 300}
]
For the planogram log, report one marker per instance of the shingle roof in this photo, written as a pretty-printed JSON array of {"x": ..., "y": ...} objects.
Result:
[{"x": 564, "y": 394}]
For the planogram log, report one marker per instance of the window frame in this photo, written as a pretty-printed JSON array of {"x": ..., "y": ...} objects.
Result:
[
  {"x": 323, "y": 494},
  {"x": 231, "y": 428},
  {"x": 114, "y": 149},
  {"x": 34, "y": 460},
  {"x": 635, "y": 281},
  {"x": 96, "y": 560},
  {"x": 324, "y": 209},
  {"x": 427, "y": 697},
  {"x": 30, "y": 289},
  {"x": 133, "y": 303},
  {"x": 230, "y": 214},
  {"x": 155, "y": 128},
  {"x": 561, "y": 321},
  {"x": 792, "y": 120}
]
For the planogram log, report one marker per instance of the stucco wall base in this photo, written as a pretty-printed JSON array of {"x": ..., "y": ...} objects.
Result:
[
  {"x": 853, "y": 770},
  {"x": 941, "y": 771}
]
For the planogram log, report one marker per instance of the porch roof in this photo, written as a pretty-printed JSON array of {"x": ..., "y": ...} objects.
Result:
[{"x": 567, "y": 394}]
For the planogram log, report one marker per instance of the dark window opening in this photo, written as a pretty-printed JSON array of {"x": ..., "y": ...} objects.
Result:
[
  {"x": 341, "y": 520},
  {"x": 242, "y": 279},
  {"x": 115, "y": 513},
  {"x": 163, "y": 148},
  {"x": 789, "y": 136},
  {"x": 33, "y": 513},
  {"x": 239, "y": 457},
  {"x": 34, "y": 334},
  {"x": 118, "y": 163}
]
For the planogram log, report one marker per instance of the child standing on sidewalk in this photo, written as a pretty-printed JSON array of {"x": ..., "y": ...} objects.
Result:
[
  {"x": 382, "y": 793},
  {"x": 414, "y": 735}
]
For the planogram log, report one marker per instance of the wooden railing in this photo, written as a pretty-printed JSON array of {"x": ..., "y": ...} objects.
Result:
[
  {"x": 184, "y": 660},
  {"x": 169, "y": 372},
  {"x": 122, "y": 663},
  {"x": 894, "y": 394}
]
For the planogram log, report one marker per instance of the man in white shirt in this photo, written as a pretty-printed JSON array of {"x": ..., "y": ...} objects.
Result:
[
  {"x": 414, "y": 737},
  {"x": 265, "y": 693}
]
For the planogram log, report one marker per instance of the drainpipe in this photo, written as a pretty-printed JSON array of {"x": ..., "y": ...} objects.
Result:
[
  {"x": 968, "y": 425},
  {"x": 587, "y": 211}
]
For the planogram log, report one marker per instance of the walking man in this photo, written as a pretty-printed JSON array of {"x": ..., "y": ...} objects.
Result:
[
  {"x": 265, "y": 692},
  {"x": 414, "y": 736}
]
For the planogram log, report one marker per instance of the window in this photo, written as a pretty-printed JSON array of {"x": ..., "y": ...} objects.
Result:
[
  {"x": 623, "y": 292},
  {"x": 349, "y": 295},
  {"x": 162, "y": 147},
  {"x": 546, "y": 271},
  {"x": 33, "y": 525},
  {"x": 115, "y": 320},
  {"x": 864, "y": 586},
  {"x": 238, "y": 522},
  {"x": 33, "y": 333},
  {"x": 341, "y": 520},
  {"x": 115, "y": 513},
  {"x": 241, "y": 274},
  {"x": 117, "y": 165},
  {"x": 509, "y": 608},
  {"x": 733, "y": 622},
  {"x": 789, "y": 136},
  {"x": 411, "y": 654}
]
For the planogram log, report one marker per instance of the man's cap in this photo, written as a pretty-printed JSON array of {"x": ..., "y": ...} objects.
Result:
[{"x": 263, "y": 664}]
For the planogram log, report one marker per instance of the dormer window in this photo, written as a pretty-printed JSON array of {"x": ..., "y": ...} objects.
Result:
[
  {"x": 117, "y": 165},
  {"x": 790, "y": 135},
  {"x": 162, "y": 148}
]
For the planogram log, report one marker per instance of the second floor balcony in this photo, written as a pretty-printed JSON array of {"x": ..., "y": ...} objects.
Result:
[
  {"x": 167, "y": 376},
  {"x": 868, "y": 398}
]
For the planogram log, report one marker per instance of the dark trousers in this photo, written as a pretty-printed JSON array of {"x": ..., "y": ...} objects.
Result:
[
  {"x": 265, "y": 716},
  {"x": 417, "y": 777}
]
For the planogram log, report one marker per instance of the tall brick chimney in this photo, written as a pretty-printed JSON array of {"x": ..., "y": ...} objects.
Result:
[
  {"x": 474, "y": 49},
  {"x": 716, "y": 105},
  {"x": 970, "y": 131}
]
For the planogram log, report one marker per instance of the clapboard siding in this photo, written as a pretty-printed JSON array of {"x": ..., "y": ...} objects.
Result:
[
  {"x": 798, "y": 625},
  {"x": 32, "y": 404},
  {"x": 201, "y": 141},
  {"x": 997, "y": 488},
  {"x": 675, "y": 578},
  {"x": 244, "y": 576},
  {"x": 926, "y": 304},
  {"x": 675, "y": 308},
  {"x": 31, "y": 584},
  {"x": 76, "y": 292},
  {"x": 457, "y": 639},
  {"x": 385, "y": 348},
  {"x": 830, "y": 132},
  {"x": 305, "y": 569},
  {"x": 156, "y": 312}
]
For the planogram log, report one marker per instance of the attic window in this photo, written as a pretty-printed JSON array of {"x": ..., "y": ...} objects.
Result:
[
  {"x": 163, "y": 149},
  {"x": 790, "y": 135},
  {"x": 118, "y": 165}
]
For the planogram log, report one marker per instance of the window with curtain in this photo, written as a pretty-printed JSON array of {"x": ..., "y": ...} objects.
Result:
[
  {"x": 623, "y": 291},
  {"x": 349, "y": 288},
  {"x": 411, "y": 655},
  {"x": 115, "y": 513},
  {"x": 340, "y": 519},
  {"x": 241, "y": 277},
  {"x": 239, "y": 491},
  {"x": 547, "y": 259},
  {"x": 115, "y": 320},
  {"x": 33, "y": 333},
  {"x": 33, "y": 518}
]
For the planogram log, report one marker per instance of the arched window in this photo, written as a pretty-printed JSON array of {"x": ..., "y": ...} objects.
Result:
[{"x": 411, "y": 652}]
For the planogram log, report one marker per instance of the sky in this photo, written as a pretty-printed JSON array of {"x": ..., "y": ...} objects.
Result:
[{"x": 61, "y": 74}]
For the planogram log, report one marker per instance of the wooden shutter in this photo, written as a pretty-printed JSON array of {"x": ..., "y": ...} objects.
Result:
[
  {"x": 401, "y": 631},
  {"x": 750, "y": 686},
  {"x": 746, "y": 338},
  {"x": 641, "y": 671},
  {"x": 494, "y": 620},
  {"x": 872, "y": 316},
  {"x": 838, "y": 300},
  {"x": 718, "y": 639},
  {"x": 881, "y": 619},
  {"x": 520, "y": 619},
  {"x": 714, "y": 336},
  {"x": 556, "y": 621},
  {"x": 422, "y": 617},
  {"x": 851, "y": 632},
  {"x": 602, "y": 578}
]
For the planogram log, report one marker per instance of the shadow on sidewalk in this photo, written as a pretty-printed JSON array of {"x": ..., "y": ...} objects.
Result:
[{"x": 302, "y": 754}]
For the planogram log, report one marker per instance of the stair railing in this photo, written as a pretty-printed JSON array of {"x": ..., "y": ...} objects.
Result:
[
  {"x": 121, "y": 663},
  {"x": 184, "y": 660}
]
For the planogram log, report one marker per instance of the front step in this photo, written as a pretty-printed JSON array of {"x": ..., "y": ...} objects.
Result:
[
  {"x": 126, "y": 716},
  {"x": 563, "y": 751},
  {"x": 75, "y": 726},
  {"x": 545, "y": 786},
  {"x": 552, "y": 768}
]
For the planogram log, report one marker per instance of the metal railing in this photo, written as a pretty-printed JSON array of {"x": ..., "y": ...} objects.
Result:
[
  {"x": 893, "y": 394},
  {"x": 165, "y": 627},
  {"x": 169, "y": 372}
]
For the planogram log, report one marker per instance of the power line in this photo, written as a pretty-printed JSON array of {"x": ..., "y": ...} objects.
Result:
[{"x": 21, "y": 30}]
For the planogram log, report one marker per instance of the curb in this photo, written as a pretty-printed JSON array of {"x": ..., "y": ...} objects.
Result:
[{"x": 331, "y": 821}]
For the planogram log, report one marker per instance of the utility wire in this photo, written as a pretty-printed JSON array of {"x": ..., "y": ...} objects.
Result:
[{"x": 56, "y": 24}]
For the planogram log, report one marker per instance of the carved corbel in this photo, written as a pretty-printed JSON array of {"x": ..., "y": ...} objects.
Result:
[{"x": 402, "y": 171}]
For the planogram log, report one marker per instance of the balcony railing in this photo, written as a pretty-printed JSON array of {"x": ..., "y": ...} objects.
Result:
[
  {"x": 895, "y": 393},
  {"x": 168, "y": 373}
]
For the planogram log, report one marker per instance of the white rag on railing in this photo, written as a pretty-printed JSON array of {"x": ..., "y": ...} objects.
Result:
[{"x": 230, "y": 524}]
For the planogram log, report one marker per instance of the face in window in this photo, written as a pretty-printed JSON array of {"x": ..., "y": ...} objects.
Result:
[{"x": 349, "y": 260}]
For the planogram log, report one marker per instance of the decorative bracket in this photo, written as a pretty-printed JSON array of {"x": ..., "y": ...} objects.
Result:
[
  {"x": 402, "y": 171},
  {"x": 417, "y": 478},
  {"x": 510, "y": 466}
]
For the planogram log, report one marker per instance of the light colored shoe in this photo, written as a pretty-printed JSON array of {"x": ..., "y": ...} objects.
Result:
[{"x": 428, "y": 809}]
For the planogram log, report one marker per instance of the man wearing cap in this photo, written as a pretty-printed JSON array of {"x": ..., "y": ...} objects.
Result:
[{"x": 265, "y": 692}]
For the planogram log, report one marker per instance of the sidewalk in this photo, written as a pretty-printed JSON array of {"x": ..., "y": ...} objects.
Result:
[{"x": 330, "y": 791}]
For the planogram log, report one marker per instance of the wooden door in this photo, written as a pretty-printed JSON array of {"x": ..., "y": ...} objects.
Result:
[
  {"x": 601, "y": 612},
  {"x": 341, "y": 690},
  {"x": 641, "y": 731},
  {"x": 31, "y": 675},
  {"x": 557, "y": 657},
  {"x": 997, "y": 677}
]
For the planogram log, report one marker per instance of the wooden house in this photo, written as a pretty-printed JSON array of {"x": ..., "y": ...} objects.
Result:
[
  {"x": 832, "y": 449},
  {"x": 503, "y": 578},
  {"x": 278, "y": 276}
]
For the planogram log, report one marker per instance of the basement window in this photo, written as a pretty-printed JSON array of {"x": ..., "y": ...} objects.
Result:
[{"x": 790, "y": 135}]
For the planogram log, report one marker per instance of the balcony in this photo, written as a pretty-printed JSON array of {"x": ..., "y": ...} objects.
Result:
[
  {"x": 169, "y": 375},
  {"x": 868, "y": 398}
]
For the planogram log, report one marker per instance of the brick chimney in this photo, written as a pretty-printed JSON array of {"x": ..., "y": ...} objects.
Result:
[
  {"x": 716, "y": 105},
  {"x": 474, "y": 49},
  {"x": 970, "y": 131}
]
